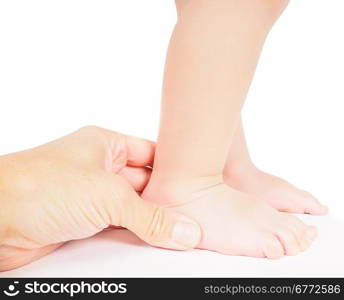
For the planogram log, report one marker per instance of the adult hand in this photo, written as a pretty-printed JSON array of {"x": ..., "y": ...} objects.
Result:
[{"x": 75, "y": 187}]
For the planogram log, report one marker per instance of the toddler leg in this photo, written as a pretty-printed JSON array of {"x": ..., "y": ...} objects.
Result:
[{"x": 211, "y": 60}]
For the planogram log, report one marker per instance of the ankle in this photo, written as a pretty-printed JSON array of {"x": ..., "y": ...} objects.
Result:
[
  {"x": 239, "y": 171},
  {"x": 166, "y": 189}
]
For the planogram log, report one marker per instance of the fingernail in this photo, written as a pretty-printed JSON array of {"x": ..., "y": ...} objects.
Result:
[{"x": 186, "y": 234}]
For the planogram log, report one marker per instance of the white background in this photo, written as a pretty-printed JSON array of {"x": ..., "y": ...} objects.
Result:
[{"x": 65, "y": 64}]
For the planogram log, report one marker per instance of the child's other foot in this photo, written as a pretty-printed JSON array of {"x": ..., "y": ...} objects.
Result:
[
  {"x": 232, "y": 222},
  {"x": 275, "y": 191}
]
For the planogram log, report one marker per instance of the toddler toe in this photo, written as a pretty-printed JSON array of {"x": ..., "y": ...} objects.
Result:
[{"x": 272, "y": 247}]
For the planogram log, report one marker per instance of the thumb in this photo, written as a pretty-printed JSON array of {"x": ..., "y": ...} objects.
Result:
[{"x": 160, "y": 227}]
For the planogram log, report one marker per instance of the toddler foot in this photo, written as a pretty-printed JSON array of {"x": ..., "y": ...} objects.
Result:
[
  {"x": 273, "y": 190},
  {"x": 232, "y": 222}
]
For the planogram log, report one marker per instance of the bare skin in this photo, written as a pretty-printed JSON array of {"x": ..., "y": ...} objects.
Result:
[
  {"x": 210, "y": 63},
  {"x": 76, "y": 186},
  {"x": 241, "y": 174}
]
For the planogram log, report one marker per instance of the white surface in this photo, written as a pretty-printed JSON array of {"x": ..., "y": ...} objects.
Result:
[
  {"x": 69, "y": 63},
  {"x": 118, "y": 253}
]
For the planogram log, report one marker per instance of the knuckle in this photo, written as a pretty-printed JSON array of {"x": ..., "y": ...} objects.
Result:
[
  {"x": 90, "y": 129},
  {"x": 115, "y": 194},
  {"x": 157, "y": 225}
]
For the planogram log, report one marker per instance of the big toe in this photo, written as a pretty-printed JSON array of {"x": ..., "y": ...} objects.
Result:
[
  {"x": 307, "y": 238},
  {"x": 294, "y": 235},
  {"x": 313, "y": 206},
  {"x": 311, "y": 233}
]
